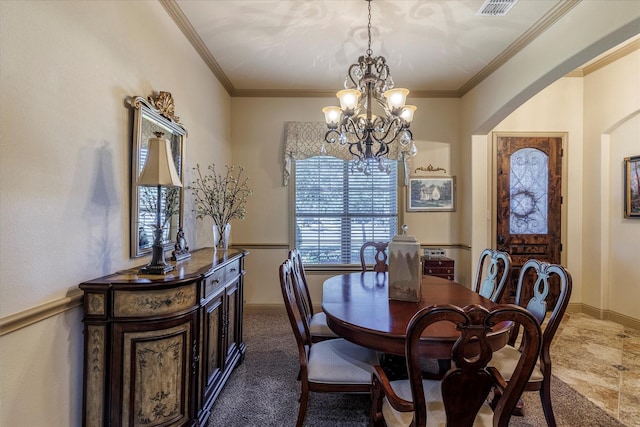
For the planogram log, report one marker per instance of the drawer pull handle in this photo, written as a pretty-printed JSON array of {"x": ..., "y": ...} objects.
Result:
[
  {"x": 168, "y": 301},
  {"x": 233, "y": 270},
  {"x": 215, "y": 281}
]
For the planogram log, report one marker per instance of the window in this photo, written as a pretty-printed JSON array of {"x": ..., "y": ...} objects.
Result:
[{"x": 337, "y": 210}]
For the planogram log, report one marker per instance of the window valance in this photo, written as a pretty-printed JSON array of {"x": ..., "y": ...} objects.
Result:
[{"x": 303, "y": 140}]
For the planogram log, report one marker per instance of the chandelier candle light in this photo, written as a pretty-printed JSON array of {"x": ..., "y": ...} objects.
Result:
[{"x": 369, "y": 83}]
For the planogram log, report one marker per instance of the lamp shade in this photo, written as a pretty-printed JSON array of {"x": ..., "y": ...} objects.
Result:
[
  {"x": 396, "y": 98},
  {"x": 407, "y": 113},
  {"x": 332, "y": 115},
  {"x": 159, "y": 169},
  {"x": 348, "y": 100}
]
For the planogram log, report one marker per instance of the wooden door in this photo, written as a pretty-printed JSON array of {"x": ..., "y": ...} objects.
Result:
[{"x": 529, "y": 198}]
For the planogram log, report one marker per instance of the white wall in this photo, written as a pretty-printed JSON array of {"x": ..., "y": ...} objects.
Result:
[{"x": 65, "y": 71}]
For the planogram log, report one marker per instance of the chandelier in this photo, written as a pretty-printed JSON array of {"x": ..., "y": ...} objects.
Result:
[{"x": 369, "y": 85}]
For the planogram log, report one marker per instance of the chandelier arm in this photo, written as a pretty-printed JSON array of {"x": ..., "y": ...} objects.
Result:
[
  {"x": 354, "y": 75},
  {"x": 331, "y": 135},
  {"x": 395, "y": 128},
  {"x": 349, "y": 126}
]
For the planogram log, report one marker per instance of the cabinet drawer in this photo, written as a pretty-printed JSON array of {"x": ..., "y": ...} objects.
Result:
[
  {"x": 438, "y": 270},
  {"x": 438, "y": 263},
  {"x": 155, "y": 302},
  {"x": 232, "y": 270},
  {"x": 214, "y": 281}
]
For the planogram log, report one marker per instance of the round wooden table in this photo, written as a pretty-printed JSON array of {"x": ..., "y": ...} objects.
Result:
[{"x": 358, "y": 308}]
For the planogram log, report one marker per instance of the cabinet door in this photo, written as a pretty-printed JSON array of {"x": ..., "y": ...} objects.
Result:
[
  {"x": 233, "y": 321},
  {"x": 212, "y": 339},
  {"x": 158, "y": 368}
]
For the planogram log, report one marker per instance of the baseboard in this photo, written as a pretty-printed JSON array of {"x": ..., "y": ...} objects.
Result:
[
  {"x": 601, "y": 314},
  {"x": 265, "y": 309}
]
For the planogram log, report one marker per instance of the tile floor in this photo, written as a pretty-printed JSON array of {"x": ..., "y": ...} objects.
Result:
[{"x": 601, "y": 360}]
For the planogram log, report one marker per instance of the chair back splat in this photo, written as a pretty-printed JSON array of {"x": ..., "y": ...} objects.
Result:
[
  {"x": 460, "y": 398},
  {"x": 540, "y": 277},
  {"x": 494, "y": 269},
  {"x": 380, "y": 256}
]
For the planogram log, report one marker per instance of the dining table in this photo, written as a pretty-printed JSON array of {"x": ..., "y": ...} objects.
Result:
[{"x": 358, "y": 308}]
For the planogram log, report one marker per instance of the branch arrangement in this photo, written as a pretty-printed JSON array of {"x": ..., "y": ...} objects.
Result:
[{"x": 223, "y": 198}]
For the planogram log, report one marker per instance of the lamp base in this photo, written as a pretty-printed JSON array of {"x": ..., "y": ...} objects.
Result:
[
  {"x": 156, "y": 269},
  {"x": 157, "y": 264}
]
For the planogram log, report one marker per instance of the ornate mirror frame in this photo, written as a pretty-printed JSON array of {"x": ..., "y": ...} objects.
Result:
[{"x": 155, "y": 114}]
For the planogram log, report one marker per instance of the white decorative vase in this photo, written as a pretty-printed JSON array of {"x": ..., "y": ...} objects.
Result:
[
  {"x": 404, "y": 268},
  {"x": 221, "y": 235}
]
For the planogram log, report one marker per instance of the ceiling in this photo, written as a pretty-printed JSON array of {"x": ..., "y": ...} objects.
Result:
[{"x": 304, "y": 47}]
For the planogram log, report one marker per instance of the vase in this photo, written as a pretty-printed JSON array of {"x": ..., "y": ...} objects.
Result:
[{"x": 221, "y": 233}]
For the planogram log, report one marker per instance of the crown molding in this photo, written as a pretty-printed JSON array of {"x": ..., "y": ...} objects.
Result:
[
  {"x": 612, "y": 57},
  {"x": 557, "y": 12},
  {"x": 544, "y": 23},
  {"x": 187, "y": 29}
]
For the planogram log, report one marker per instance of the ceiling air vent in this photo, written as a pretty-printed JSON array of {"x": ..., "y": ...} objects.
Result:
[{"x": 495, "y": 7}]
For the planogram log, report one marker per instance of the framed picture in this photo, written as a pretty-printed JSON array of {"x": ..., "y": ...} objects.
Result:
[
  {"x": 632, "y": 187},
  {"x": 431, "y": 194}
]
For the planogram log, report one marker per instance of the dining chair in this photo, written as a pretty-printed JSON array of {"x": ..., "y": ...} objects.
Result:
[
  {"x": 494, "y": 268},
  {"x": 318, "y": 327},
  {"x": 330, "y": 366},
  {"x": 380, "y": 256},
  {"x": 539, "y": 276},
  {"x": 460, "y": 399}
]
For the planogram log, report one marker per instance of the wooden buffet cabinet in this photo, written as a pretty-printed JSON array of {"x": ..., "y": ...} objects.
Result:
[{"x": 159, "y": 349}]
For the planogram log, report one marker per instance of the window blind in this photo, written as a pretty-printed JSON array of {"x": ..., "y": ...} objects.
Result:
[{"x": 337, "y": 210}]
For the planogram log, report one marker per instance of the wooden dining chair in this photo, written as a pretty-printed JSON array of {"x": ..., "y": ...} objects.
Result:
[
  {"x": 330, "y": 366},
  {"x": 380, "y": 256},
  {"x": 540, "y": 276},
  {"x": 494, "y": 269},
  {"x": 460, "y": 398},
  {"x": 318, "y": 327}
]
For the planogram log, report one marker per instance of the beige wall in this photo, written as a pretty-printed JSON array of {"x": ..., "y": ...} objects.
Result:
[
  {"x": 591, "y": 28},
  {"x": 259, "y": 147},
  {"x": 65, "y": 70},
  {"x": 558, "y": 109},
  {"x": 611, "y": 129}
]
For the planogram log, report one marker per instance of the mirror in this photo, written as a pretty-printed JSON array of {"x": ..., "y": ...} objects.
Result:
[{"x": 155, "y": 115}]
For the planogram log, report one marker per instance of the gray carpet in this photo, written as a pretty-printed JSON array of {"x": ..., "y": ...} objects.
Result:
[{"x": 263, "y": 391}]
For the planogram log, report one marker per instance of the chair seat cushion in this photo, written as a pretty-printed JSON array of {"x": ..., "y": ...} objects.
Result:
[
  {"x": 318, "y": 326},
  {"x": 339, "y": 361},
  {"x": 436, "y": 416},
  {"x": 505, "y": 361}
]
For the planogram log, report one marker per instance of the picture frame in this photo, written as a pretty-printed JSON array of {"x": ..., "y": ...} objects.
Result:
[
  {"x": 632, "y": 187},
  {"x": 431, "y": 194}
]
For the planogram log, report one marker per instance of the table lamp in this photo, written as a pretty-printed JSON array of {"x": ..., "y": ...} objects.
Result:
[{"x": 159, "y": 171}]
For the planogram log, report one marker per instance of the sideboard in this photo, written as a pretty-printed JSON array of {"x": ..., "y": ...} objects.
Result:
[
  {"x": 439, "y": 266},
  {"x": 159, "y": 348}
]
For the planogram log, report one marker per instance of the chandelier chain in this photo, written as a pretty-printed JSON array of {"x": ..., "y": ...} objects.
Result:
[
  {"x": 369, "y": 136},
  {"x": 369, "y": 51}
]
